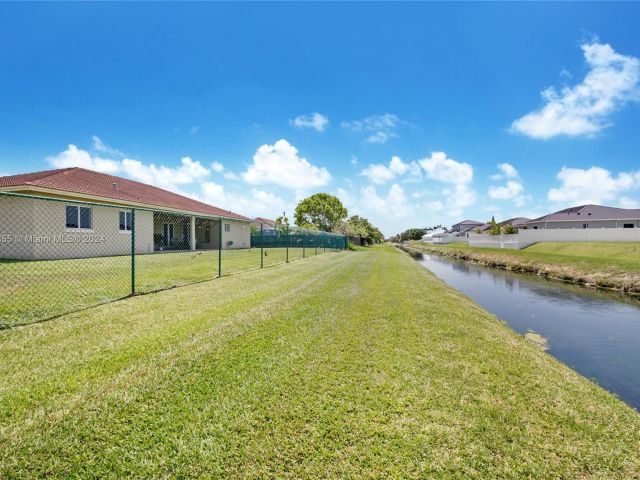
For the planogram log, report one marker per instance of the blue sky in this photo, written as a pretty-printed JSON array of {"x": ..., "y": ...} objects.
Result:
[{"x": 413, "y": 114}]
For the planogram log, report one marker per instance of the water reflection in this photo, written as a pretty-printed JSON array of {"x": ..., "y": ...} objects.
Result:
[{"x": 595, "y": 332}]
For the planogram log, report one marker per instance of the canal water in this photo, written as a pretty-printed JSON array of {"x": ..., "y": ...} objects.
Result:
[{"x": 594, "y": 332}]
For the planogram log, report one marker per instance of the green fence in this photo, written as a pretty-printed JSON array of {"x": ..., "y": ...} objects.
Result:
[{"x": 59, "y": 256}]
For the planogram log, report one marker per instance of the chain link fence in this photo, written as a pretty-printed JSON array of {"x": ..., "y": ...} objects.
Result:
[{"x": 59, "y": 256}]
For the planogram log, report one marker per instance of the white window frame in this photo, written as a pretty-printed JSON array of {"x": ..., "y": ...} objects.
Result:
[
  {"x": 227, "y": 227},
  {"x": 127, "y": 220},
  {"x": 78, "y": 228}
]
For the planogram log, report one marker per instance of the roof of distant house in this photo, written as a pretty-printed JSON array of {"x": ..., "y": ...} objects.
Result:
[
  {"x": 265, "y": 221},
  {"x": 80, "y": 181},
  {"x": 590, "y": 212},
  {"x": 516, "y": 221},
  {"x": 468, "y": 222}
]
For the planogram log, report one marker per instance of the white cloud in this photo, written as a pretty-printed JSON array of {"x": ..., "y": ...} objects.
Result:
[
  {"x": 447, "y": 170},
  {"x": 217, "y": 167},
  {"x": 393, "y": 203},
  {"x": 594, "y": 185},
  {"x": 380, "y": 174},
  {"x": 279, "y": 164},
  {"x": 379, "y": 128},
  {"x": 354, "y": 160},
  {"x": 628, "y": 202},
  {"x": 76, "y": 157},
  {"x": 100, "y": 146},
  {"x": 512, "y": 190},
  {"x": 257, "y": 203},
  {"x": 189, "y": 170},
  {"x": 457, "y": 175},
  {"x": 584, "y": 109},
  {"x": 316, "y": 121},
  {"x": 505, "y": 170}
]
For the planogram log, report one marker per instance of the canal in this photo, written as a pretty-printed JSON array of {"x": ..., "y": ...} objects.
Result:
[{"x": 594, "y": 332}]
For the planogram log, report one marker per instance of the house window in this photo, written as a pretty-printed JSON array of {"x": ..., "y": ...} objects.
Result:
[
  {"x": 125, "y": 221},
  {"x": 78, "y": 217},
  {"x": 535, "y": 228},
  {"x": 585, "y": 225},
  {"x": 227, "y": 227},
  {"x": 628, "y": 225}
]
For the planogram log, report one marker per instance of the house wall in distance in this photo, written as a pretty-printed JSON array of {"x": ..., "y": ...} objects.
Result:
[
  {"x": 580, "y": 224},
  {"x": 239, "y": 235}
]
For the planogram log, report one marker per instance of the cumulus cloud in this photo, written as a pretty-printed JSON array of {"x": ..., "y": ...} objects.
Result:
[
  {"x": 76, "y": 157},
  {"x": 100, "y": 146},
  {"x": 585, "y": 108},
  {"x": 162, "y": 176},
  {"x": 447, "y": 170},
  {"x": 380, "y": 173},
  {"x": 256, "y": 203},
  {"x": 378, "y": 128},
  {"x": 189, "y": 171},
  {"x": 457, "y": 176},
  {"x": 279, "y": 164},
  {"x": 393, "y": 203},
  {"x": 505, "y": 170},
  {"x": 593, "y": 185},
  {"x": 316, "y": 121},
  {"x": 513, "y": 189}
]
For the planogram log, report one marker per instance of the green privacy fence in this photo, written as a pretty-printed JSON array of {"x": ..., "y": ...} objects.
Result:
[
  {"x": 298, "y": 239},
  {"x": 59, "y": 256}
]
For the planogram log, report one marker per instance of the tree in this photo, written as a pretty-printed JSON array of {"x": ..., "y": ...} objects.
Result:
[
  {"x": 282, "y": 224},
  {"x": 494, "y": 227},
  {"x": 509, "y": 229},
  {"x": 322, "y": 210}
]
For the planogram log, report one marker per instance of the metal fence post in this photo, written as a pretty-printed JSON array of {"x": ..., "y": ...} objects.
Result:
[
  {"x": 220, "y": 249},
  {"x": 287, "y": 240},
  {"x": 261, "y": 246},
  {"x": 133, "y": 250}
]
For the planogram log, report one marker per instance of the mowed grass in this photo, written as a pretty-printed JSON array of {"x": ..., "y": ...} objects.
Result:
[
  {"x": 605, "y": 264},
  {"x": 37, "y": 290},
  {"x": 353, "y": 365}
]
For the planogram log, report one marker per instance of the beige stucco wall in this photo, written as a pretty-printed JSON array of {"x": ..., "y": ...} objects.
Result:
[
  {"x": 239, "y": 234},
  {"x": 37, "y": 230}
]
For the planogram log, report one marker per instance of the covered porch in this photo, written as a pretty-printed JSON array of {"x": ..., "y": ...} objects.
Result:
[{"x": 174, "y": 232}]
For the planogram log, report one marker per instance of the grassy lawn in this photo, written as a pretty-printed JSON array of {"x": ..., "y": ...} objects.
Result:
[
  {"x": 37, "y": 290},
  {"x": 605, "y": 264},
  {"x": 354, "y": 365}
]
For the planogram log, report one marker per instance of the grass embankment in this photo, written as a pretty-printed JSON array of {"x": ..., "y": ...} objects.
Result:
[
  {"x": 604, "y": 265},
  {"x": 354, "y": 365},
  {"x": 36, "y": 290}
]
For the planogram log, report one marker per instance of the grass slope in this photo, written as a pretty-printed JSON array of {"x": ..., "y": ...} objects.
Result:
[
  {"x": 607, "y": 265},
  {"x": 354, "y": 365}
]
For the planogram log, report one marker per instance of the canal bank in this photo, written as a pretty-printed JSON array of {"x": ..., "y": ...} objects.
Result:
[
  {"x": 594, "y": 332},
  {"x": 601, "y": 266}
]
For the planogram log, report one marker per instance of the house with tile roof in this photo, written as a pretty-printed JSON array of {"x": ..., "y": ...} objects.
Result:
[
  {"x": 588, "y": 216},
  {"x": 77, "y": 213}
]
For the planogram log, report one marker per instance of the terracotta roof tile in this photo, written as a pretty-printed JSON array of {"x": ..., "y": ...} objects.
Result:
[{"x": 87, "y": 182}]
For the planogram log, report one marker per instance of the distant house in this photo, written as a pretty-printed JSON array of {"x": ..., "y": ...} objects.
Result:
[
  {"x": 517, "y": 222},
  {"x": 63, "y": 228},
  {"x": 588, "y": 216},
  {"x": 265, "y": 222},
  {"x": 465, "y": 226}
]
